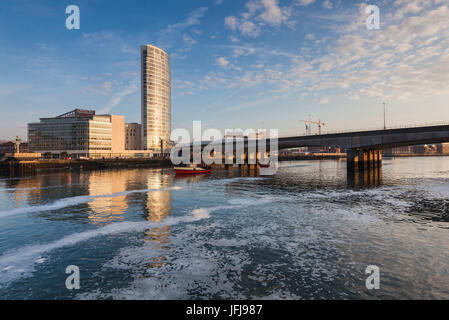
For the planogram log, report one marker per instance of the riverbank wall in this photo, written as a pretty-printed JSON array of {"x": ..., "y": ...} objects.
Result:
[{"x": 20, "y": 168}]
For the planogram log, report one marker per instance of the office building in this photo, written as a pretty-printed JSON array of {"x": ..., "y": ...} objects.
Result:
[
  {"x": 133, "y": 136},
  {"x": 78, "y": 132},
  {"x": 155, "y": 98}
]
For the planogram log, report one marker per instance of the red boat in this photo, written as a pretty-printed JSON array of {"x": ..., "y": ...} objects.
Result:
[{"x": 192, "y": 170}]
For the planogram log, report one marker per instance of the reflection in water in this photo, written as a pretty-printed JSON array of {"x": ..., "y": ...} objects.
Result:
[
  {"x": 307, "y": 232},
  {"x": 109, "y": 209},
  {"x": 191, "y": 178},
  {"x": 367, "y": 177},
  {"x": 157, "y": 206},
  {"x": 158, "y": 203}
]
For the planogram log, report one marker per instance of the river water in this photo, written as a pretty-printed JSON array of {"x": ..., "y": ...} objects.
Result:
[{"x": 305, "y": 233}]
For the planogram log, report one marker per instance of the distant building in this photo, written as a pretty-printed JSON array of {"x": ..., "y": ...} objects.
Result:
[
  {"x": 317, "y": 149},
  {"x": 79, "y": 133},
  {"x": 8, "y": 147},
  {"x": 443, "y": 148},
  {"x": 155, "y": 98},
  {"x": 398, "y": 151},
  {"x": 438, "y": 148},
  {"x": 424, "y": 148},
  {"x": 133, "y": 136}
]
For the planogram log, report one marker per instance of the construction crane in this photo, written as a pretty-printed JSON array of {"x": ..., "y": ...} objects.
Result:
[{"x": 309, "y": 125}]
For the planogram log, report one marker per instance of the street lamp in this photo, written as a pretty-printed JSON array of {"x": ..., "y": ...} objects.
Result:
[{"x": 385, "y": 125}]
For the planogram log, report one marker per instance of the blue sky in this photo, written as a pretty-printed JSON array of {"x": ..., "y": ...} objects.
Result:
[{"x": 235, "y": 63}]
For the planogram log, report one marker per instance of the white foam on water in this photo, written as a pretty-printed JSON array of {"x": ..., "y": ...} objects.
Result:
[
  {"x": 201, "y": 213},
  {"x": 20, "y": 262},
  {"x": 67, "y": 202},
  {"x": 194, "y": 264},
  {"x": 194, "y": 267},
  {"x": 41, "y": 260},
  {"x": 252, "y": 201},
  {"x": 436, "y": 188}
]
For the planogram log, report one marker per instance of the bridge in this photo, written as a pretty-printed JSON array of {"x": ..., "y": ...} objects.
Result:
[
  {"x": 366, "y": 146},
  {"x": 363, "y": 148}
]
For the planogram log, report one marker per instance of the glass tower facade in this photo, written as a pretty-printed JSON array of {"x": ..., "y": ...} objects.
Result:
[
  {"x": 156, "y": 98},
  {"x": 75, "y": 130}
]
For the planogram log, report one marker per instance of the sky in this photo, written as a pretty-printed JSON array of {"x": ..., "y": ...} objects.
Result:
[{"x": 234, "y": 63}]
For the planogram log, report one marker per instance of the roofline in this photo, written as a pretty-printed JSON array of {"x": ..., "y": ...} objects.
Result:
[{"x": 150, "y": 45}]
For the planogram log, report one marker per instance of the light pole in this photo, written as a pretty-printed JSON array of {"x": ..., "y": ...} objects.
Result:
[{"x": 385, "y": 124}]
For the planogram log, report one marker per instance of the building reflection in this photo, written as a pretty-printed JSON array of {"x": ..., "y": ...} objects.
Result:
[
  {"x": 109, "y": 209},
  {"x": 157, "y": 206},
  {"x": 36, "y": 189}
]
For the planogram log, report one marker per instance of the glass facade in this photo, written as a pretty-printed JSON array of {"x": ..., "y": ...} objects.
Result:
[
  {"x": 70, "y": 132},
  {"x": 156, "y": 98}
]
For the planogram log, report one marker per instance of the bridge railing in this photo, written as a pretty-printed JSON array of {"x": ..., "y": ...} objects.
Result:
[{"x": 403, "y": 126}]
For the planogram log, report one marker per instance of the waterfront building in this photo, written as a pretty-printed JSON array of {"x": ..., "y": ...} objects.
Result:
[
  {"x": 398, "y": 151},
  {"x": 438, "y": 148},
  {"x": 9, "y": 147},
  {"x": 424, "y": 149},
  {"x": 133, "y": 136},
  {"x": 155, "y": 98},
  {"x": 443, "y": 148},
  {"x": 80, "y": 133}
]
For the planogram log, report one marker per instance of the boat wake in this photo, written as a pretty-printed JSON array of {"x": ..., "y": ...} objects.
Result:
[
  {"x": 20, "y": 262},
  {"x": 73, "y": 201}
]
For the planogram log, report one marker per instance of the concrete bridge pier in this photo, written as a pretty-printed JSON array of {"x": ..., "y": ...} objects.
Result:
[
  {"x": 364, "y": 167},
  {"x": 364, "y": 158},
  {"x": 229, "y": 160}
]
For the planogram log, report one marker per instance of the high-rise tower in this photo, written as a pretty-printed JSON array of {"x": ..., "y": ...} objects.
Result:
[{"x": 155, "y": 100}]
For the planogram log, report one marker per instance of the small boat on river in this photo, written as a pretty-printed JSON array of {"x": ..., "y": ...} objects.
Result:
[{"x": 192, "y": 169}]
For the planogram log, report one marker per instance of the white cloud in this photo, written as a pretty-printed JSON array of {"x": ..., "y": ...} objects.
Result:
[
  {"x": 103, "y": 88},
  {"x": 106, "y": 87},
  {"x": 170, "y": 35},
  {"x": 249, "y": 29},
  {"x": 408, "y": 59},
  {"x": 305, "y": 2},
  {"x": 327, "y": 4},
  {"x": 188, "y": 39},
  {"x": 231, "y": 22},
  {"x": 129, "y": 89},
  {"x": 99, "y": 36},
  {"x": 222, "y": 62},
  {"x": 325, "y": 101},
  {"x": 273, "y": 14},
  {"x": 310, "y": 36},
  {"x": 259, "y": 14}
]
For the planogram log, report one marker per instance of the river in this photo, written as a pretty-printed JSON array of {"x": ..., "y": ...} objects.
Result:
[{"x": 305, "y": 233}]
